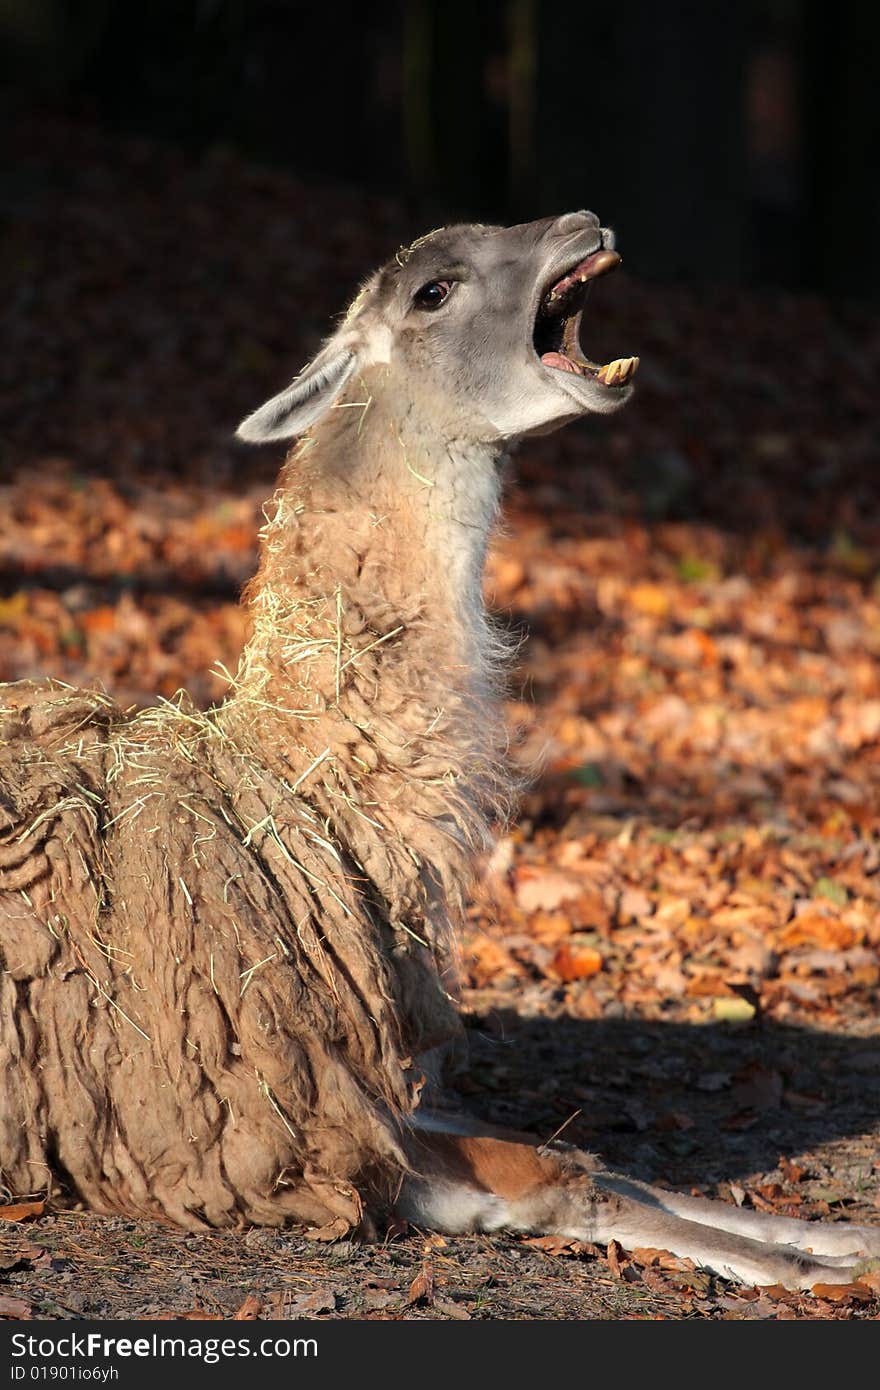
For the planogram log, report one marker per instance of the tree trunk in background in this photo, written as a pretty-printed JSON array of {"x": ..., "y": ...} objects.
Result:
[
  {"x": 522, "y": 98},
  {"x": 453, "y": 121}
]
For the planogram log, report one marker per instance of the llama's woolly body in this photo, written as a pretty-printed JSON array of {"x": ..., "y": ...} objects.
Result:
[{"x": 224, "y": 937}]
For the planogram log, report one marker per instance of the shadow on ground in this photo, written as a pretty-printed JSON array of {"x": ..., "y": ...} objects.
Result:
[{"x": 700, "y": 1104}]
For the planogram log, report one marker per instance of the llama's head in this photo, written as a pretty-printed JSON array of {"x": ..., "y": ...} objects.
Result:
[{"x": 482, "y": 324}]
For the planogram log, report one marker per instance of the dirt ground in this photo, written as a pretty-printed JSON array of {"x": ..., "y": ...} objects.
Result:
[{"x": 674, "y": 954}]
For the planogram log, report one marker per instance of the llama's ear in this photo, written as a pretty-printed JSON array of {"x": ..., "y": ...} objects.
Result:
[{"x": 305, "y": 400}]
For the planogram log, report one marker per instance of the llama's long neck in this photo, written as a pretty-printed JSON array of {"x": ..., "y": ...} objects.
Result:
[{"x": 368, "y": 680}]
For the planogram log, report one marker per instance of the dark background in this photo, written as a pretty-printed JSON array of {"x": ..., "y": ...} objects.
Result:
[{"x": 731, "y": 141}]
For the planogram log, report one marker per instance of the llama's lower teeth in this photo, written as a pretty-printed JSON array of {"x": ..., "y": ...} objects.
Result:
[{"x": 618, "y": 372}]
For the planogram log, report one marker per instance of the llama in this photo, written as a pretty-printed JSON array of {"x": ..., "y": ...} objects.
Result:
[{"x": 227, "y": 939}]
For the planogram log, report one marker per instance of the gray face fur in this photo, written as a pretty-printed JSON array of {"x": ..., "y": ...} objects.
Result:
[{"x": 470, "y": 345}]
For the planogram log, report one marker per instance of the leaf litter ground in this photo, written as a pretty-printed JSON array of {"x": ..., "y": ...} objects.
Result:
[{"x": 674, "y": 956}]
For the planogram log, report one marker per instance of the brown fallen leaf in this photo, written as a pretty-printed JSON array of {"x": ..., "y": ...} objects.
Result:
[
  {"x": 549, "y": 928},
  {"x": 276, "y": 1305},
  {"x": 615, "y": 1256},
  {"x": 653, "y": 1279},
  {"x": 777, "y": 1292},
  {"x": 14, "y": 1307},
  {"x": 792, "y": 1172},
  {"x": 759, "y": 1307},
  {"x": 320, "y": 1301},
  {"x": 633, "y": 904},
  {"x": 545, "y": 888},
  {"x": 650, "y": 599},
  {"x": 815, "y": 928},
  {"x": 487, "y": 960},
  {"x": 33, "y": 1253},
  {"x": 575, "y": 964},
  {"x": 379, "y": 1300},
  {"x": 249, "y": 1310},
  {"x": 661, "y": 1259},
  {"x": 334, "y": 1230},
  {"x": 22, "y": 1211},
  {"x": 421, "y": 1290},
  {"x": 843, "y": 1293},
  {"x": 451, "y": 1310}
]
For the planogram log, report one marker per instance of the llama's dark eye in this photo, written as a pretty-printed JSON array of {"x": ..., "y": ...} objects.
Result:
[{"x": 432, "y": 295}]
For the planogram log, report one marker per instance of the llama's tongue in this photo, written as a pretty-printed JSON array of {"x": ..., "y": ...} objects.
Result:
[{"x": 560, "y": 361}]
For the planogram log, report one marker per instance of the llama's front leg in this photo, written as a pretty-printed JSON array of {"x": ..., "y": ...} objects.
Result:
[{"x": 477, "y": 1183}]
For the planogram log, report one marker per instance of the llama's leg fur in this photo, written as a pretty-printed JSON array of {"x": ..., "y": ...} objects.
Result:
[
  {"x": 828, "y": 1239},
  {"x": 486, "y": 1183}
]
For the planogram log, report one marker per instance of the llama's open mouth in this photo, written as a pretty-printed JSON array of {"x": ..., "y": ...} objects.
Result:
[{"x": 556, "y": 333}]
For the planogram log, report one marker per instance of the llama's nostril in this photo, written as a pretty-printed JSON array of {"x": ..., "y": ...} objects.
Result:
[{"x": 571, "y": 222}]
